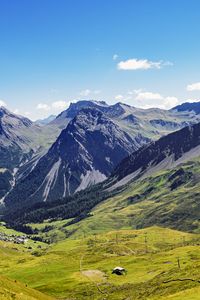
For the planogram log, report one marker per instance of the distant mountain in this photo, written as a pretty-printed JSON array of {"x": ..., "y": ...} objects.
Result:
[
  {"x": 188, "y": 107},
  {"x": 20, "y": 138},
  {"x": 167, "y": 152},
  {"x": 85, "y": 153},
  {"x": 46, "y": 120},
  {"x": 151, "y": 123},
  {"x": 17, "y": 139}
]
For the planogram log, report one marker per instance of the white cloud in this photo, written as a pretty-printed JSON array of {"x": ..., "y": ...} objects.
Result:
[
  {"x": 115, "y": 56},
  {"x": 119, "y": 97},
  {"x": 2, "y": 103},
  {"x": 192, "y": 100},
  {"x": 145, "y": 99},
  {"x": 167, "y": 63},
  {"x": 54, "y": 106},
  {"x": 170, "y": 102},
  {"x": 141, "y": 64},
  {"x": 148, "y": 96},
  {"x": 43, "y": 106},
  {"x": 85, "y": 92},
  {"x": 193, "y": 87},
  {"x": 60, "y": 105}
]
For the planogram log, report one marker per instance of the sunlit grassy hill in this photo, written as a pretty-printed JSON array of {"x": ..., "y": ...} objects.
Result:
[
  {"x": 10, "y": 289},
  {"x": 82, "y": 268},
  {"x": 170, "y": 198}
]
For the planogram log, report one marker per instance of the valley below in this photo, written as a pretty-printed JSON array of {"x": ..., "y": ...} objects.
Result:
[{"x": 160, "y": 264}]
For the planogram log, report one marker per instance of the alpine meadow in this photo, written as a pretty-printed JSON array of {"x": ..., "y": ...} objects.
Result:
[{"x": 100, "y": 150}]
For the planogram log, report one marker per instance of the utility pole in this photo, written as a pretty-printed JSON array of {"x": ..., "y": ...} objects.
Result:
[
  {"x": 178, "y": 262},
  {"x": 116, "y": 238},
  {"x": 95, "y": 237},
  {"x": 145, "y": 241}
]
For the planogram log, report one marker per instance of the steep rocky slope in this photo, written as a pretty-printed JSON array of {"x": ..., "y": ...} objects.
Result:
[
  {"x": 167, "y": 152},
  {"x": 86, "y": 152},
  {"x": 20, "y": 139}
]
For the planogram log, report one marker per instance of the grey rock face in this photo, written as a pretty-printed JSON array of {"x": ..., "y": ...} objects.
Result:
[{"x": 85, "y": 153}]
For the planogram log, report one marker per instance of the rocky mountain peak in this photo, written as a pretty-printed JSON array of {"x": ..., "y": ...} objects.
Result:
[
  {"x": 75, "y": 107},
  {"x": 92, "y": 119},
  {"x": 86, "y": 152}
]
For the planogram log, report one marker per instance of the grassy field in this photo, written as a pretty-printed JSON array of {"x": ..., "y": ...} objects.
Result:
[
  {"x": 10, "y": 289},
  {"x": 81, "y": 268}
]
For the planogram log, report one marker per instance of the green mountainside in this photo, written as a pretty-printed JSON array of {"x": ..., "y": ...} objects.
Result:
[{"x": 10, "y": 289}]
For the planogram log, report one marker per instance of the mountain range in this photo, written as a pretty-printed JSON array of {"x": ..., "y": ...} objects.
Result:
[
  {"x": 156, "y": 185},
  {"x": 45, "y": 121},
  {"x": 85, "y": 153},
  {"x": 87, "y": 143}
]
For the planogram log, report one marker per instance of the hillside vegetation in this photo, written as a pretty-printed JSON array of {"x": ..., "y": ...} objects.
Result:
[
  {"x": 10, "y": 289},
  {"x": 169, "y": 199}
]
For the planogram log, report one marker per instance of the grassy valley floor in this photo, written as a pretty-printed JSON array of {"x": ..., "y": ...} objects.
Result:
[{"x": 161, "y": 264}]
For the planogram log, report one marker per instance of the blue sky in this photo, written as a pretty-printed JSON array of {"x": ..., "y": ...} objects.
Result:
[{"x": 145, "y": 53}]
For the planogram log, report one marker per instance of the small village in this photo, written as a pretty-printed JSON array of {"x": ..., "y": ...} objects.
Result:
[{"x": 17, "y": 239}]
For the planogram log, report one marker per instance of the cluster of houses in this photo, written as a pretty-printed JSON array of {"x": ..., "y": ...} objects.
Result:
[{"x": 17, "y": 239}]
